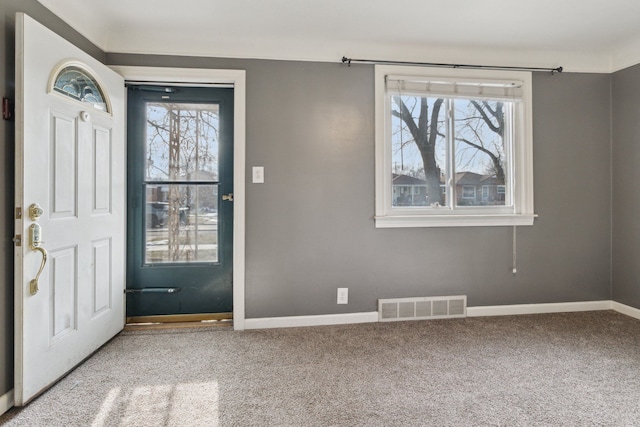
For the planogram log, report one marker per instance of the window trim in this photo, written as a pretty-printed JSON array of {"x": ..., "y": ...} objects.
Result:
[{"x": 522, "y": 212}]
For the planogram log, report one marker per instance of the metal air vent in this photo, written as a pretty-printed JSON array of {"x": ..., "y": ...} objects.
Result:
[{"x": 395, "y": 309}]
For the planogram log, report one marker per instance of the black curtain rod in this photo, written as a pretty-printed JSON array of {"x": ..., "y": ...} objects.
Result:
[{"x": 348, "y": 61}]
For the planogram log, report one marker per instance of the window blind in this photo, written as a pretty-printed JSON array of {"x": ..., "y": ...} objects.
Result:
[{"x": 502, "y": 90}]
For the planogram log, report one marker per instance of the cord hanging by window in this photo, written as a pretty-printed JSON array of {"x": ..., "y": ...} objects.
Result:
[{"x": 514, "y": 265}]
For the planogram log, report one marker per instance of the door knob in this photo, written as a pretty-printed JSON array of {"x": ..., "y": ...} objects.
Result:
[{"x": 35, "y": 212}]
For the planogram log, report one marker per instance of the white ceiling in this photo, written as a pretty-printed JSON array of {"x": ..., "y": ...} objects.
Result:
[{"x": 581, "y": 35}]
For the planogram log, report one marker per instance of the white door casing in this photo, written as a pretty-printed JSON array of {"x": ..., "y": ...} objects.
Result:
[
  {"x": 73, "y": 165},
  {"x": 205, "y": 77}
]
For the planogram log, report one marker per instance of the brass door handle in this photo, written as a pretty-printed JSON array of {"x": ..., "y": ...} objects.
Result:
[
  {"x": 33, "y": 285},
  {"x": 35, "y": 243}
]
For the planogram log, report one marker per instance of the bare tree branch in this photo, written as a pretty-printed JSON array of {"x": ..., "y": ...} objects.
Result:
[
  {"x": 497, "y": 162},
  {"x": 497, "y": 114}
]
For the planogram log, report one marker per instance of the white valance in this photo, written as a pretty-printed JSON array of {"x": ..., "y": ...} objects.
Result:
[{"x": 502, "y": 90}]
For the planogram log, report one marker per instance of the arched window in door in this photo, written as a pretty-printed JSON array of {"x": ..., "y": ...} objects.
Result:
[{"x": 77, "y": 83}]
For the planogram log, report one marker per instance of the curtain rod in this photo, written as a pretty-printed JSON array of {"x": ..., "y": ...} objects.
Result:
[{"x": 348, "y": 61}]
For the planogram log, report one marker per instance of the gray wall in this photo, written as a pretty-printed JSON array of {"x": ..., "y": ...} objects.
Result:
[
  {"x": 626, "y": 176},
  {"x": 310, "y": 227},
  {"x": 7, "y": 76}
]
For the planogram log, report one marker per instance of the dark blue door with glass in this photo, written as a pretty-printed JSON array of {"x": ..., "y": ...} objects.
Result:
[{"x": 180, "y": 201}]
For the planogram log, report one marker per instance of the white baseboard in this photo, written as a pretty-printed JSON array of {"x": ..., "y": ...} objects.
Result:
[
  {"x": 320, "y": 320},
  {"x": 6, "y": 402},
  {"x": 625, "y": 309},
  {"x": 481, "y": 311},
  {"x": 560, "y": 307}
]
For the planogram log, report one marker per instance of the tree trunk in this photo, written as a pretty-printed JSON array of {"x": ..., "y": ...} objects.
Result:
[
  {"x": 425, "y": 135},
  {"x": 173, "y": 223}
]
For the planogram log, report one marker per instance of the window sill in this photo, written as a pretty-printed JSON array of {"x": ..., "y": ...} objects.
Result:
[{"x": 496, "y": 220}]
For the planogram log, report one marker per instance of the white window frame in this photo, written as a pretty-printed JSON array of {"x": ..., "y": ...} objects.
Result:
[{"x": 520, "y": 213}]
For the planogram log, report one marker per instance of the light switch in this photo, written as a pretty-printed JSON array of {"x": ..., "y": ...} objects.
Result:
[{"x": 258, "y": 174}]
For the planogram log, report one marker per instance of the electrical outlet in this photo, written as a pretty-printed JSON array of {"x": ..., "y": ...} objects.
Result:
[
  {"x": 343, "y": 295},
  {"x": 258, "y": 174}
]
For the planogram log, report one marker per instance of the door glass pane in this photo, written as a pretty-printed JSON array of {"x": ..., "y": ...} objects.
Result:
[
  {"x": 80, "y": 85},
  {"x": 181, "y": 219},
  {"x": 182, "y": 142},
  {"x": 181, "y": 223}
]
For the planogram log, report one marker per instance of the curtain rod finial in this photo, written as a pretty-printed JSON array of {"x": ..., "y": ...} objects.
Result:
[{"x": 347, "y": 60}]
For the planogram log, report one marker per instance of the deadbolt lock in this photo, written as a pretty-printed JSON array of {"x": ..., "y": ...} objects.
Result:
[{"x": 35, "y": 211}]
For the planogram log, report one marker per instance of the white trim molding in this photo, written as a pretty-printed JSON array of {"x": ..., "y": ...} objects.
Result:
[
  {"x": 626, "y": 310},
  {"x": 6, "y": 401},
  {"x": 320, "y": 320},
  {"x": 559, "y": 307},
  {"x": 479, "y": 311},
  {"x": 202, "y": 77}
]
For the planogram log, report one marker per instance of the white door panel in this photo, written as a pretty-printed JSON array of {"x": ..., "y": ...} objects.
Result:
[{"x": 73, "y": 165}]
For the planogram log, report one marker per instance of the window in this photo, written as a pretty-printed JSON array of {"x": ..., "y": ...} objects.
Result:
[
  {"x": 77, "y": 83},
  {"x": 463, "y": 137},
  {"x": 468, "y": 192},
  {"x": 485, "y": 192}
]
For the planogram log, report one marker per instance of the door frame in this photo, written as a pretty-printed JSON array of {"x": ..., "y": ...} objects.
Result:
[{"x": 195, "y": 77}]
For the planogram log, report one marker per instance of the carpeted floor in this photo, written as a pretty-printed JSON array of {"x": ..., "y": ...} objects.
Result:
[{"x": 574, "y": 369}]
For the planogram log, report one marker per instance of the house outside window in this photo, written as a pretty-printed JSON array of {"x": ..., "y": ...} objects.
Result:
[{"x": 461, "y": 139}]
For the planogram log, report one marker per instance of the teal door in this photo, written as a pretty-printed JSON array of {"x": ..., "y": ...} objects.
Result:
[{"x": 180, "y": 201}]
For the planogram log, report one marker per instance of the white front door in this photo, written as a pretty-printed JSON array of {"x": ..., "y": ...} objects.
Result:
[{"x": 70, "y": 160}]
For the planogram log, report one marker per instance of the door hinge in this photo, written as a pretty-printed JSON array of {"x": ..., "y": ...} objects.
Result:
[
  {"x": 18, "y": 213},
  {"x": 7, "y": 109},
  {"x": 18, "y": 240},
  {"x": 228, "y": 197}
]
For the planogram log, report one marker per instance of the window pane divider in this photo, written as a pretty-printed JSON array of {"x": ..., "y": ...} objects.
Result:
[{"x": 181, "y": 182}]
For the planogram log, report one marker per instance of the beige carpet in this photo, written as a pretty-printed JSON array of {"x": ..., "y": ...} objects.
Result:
[{"x": 577, "y": 369}]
